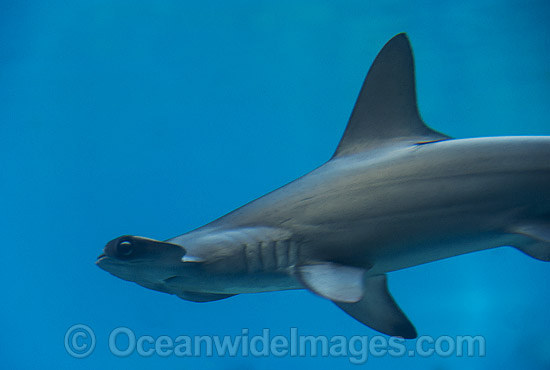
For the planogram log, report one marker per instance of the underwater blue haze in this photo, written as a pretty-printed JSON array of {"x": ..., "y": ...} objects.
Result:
[{"x": 153, "y": 118}]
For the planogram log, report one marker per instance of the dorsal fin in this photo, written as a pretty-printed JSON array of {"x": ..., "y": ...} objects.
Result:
[{"x": 386, "y": 111}]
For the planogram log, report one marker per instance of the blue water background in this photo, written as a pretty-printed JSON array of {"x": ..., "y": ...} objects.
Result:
[{"x": 153, "y": 118}]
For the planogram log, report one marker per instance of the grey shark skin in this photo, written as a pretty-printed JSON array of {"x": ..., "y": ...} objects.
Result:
[{"x": 395, "y": 194}]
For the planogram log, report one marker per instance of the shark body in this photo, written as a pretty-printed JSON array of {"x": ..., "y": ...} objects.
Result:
[{"x": 395, "y": 194}]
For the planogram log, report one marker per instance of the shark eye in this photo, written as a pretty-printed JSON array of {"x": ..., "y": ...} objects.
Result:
[{"x": 125, "y": 248}]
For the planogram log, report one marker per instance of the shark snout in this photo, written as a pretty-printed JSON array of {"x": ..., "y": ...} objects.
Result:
[
  {"x": 129, "y": 249},
  {"x": 117, "y": 251}
]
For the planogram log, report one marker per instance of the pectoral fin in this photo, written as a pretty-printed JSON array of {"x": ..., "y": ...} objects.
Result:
[
  {"x": 537, "y": 250},
  {"x": 537, "y": 230},
  {"x": 336, "y": 282},
  {"x": 539, "y": 247},
  {"x": 378, "y": 310}
]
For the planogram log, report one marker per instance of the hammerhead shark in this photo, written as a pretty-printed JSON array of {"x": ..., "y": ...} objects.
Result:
[{"x": 395, "y": 194}]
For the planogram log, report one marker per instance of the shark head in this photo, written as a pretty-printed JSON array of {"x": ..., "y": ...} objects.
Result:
[
  {"x": 145, "y": 261},
  {"x": 162, "y": 266}
]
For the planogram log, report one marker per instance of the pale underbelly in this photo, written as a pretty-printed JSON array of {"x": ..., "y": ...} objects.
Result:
[{"x": 397, "y": 258}]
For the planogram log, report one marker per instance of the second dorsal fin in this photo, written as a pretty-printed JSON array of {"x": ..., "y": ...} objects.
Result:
[{"x": 386, "y": 111}]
